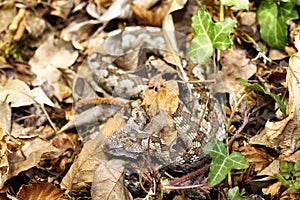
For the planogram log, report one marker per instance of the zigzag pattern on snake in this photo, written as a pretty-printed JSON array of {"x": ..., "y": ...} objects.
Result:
[{"x": 172, "y": 138}]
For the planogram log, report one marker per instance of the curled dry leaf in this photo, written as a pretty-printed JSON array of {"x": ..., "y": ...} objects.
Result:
[
  {"x": 284, "y": 135},
  {"x": 258, "y": 157},
  {"x": 45, "y": 191},
  {"x": 273, "y": 189},
  {"x": 150, "y": 17},
  {"x": 118, "y": 9}
]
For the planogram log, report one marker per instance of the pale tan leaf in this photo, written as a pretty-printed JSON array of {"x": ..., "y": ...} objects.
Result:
[
  {"x": 108, "y": 181},
  {"x": 6, "y": 16},
  {"x": 5, "y": 116},
  {"x": 40, "y": 191},
  {"x": 234, "y": 64},
  {"x": 81, "y": 173},
  {"x": 118, "y": 9},
  {"x": 17, "y": 93},
  {"x": 41, "y": 97},
  {"x": 50, "y": 56}
]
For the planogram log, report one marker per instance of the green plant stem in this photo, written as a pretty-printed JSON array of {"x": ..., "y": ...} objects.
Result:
[
  {"x": 218, "y": 51},
  {"x": 227, "y": 129}
]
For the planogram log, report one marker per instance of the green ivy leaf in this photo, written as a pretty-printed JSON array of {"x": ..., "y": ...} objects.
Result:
[
  {"x": 222, "y": 163},
  {"x": 208, "y": 35},
  {"x": 244, "y": 4},
  {"x": 256, "y": 87},
  {"x": 272, "y": 17},
  {"x": 234, "y": 194}
]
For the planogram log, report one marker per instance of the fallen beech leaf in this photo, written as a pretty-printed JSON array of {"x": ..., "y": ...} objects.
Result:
[
  {"x": 45, "y": 191},
  {"x": 284, "y": 135},
  {"x": 108, "y": 181},
  {"x": 112, "y": 126},
  {"x": 17, "y": 93}
]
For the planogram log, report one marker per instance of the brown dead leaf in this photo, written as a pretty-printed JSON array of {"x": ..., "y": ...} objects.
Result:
[
  {"x": 234, "y": 64},
  {"x": 29, "y": 154},
  {"x": 81, "y": 173},
  {"x": 150, "y": 17},
  {"x": 39, "y": 191},
  {"x": 112, "y": 126},
  {"x": 275, "y": 54},
  {"x": 118, "y": 9},
  {"x": 295, "y": 157},
  {"x": 161, "y": 96},
  {"x": 258, "y": 157},
  {"x": 108, "y": 181},
  {"x": 272, "y": 189},
  {"x": 284, "y": 135},
  {"x": 4, "y": 151}
]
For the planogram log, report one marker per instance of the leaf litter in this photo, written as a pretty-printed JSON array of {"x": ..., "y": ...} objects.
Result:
[{"x": 43, "y": 47}]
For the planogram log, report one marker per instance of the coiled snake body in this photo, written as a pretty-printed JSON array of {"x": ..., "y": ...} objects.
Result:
[{"x": 165, "y": 115}]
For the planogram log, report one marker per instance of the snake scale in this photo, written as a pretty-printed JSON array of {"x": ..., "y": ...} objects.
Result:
[{"x": 164, "y": 115}]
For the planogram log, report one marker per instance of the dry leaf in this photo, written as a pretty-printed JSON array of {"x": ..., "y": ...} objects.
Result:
[
  {"x": 150, "y": 17},
  {"x": 258, "y": 157},
  {"x": 7, "y": 14},
  {"x": 276, "y": 54},
  {"x": 49, "y": 57},
  {"x": 162, "y": 96},
  {"x": 284, "y": 135},
  {"x": 81, "y": 173},
  {"x": 118, "y": 9},
  {"x": 17, "y": 93},
  {"x": 4, "y": 151},
  {"x": 112, "y": 126},
  {"x": 294, "y": 158},
  {"x": 234, "y": 64},
  {"x": 29, "y": 154},
  {"x": 5, "y": 116},
  {"x": 41, "y": 97},
  {"x": 273, "y": 189},
  {"x": 108, "y": 181},
  {"x": 40, "y": 191}
]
